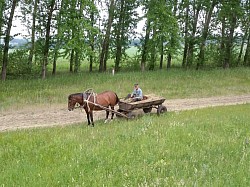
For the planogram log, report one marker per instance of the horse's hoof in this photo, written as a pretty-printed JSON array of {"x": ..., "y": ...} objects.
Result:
[{"x": 106, "y": 120}]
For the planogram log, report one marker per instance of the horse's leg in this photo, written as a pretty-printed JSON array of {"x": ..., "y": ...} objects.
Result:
[
  {"x": 107, "y": 116},
  {"x": 112, "y": 115},
  {"x": 91, "y": 117},
  {"x": 88, "y": 117}
]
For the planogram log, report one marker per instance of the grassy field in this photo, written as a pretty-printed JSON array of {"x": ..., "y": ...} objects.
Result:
[
  {"x": 176, "y": 83},
  {"x": 207, "y": 147}
]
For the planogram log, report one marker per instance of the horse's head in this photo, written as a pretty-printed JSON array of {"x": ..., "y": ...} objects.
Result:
[{"x": 71, "y": 102}]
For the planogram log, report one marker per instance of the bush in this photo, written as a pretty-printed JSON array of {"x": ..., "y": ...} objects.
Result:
[{"x": 18, "y": 64}]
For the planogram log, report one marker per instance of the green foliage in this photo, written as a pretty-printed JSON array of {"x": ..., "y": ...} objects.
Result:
[
  {"x": 124, "y": 26},
  {"x": 76, "y": 27},
  {"x": 18, "y": 64},
  {"x": 163, "y": 32},
  {"x": 204, "y": 147}
]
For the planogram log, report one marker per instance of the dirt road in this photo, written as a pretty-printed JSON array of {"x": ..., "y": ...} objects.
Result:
[{"x": 59, "y": 115}]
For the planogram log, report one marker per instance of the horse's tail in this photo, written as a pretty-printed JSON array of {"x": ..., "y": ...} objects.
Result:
[{"x": 117, "y": 99}]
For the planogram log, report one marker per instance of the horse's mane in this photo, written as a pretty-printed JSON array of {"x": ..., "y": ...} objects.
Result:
[{"x": 71, "y": 95}]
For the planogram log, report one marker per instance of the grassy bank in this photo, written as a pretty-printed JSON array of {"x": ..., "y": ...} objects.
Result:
[
  {"x": 207, "y": 147},
  {"x": 175, "y": 83}
]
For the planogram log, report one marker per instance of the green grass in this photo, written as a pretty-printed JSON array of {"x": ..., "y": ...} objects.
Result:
[
  {"x": 206, "y": 147},
  {"x": 175, "y": 83}
]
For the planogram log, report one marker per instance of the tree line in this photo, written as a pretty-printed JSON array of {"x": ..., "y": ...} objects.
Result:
[{"x": 202, "y": 32}]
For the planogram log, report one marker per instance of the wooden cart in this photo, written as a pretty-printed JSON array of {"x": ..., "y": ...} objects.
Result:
[{"x": 126, "y": 106}]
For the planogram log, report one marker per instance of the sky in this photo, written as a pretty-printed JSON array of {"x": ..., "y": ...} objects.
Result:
[{"x": 18, "y": 27}]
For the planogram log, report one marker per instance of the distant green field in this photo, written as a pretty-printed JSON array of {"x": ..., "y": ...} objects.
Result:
[
  {"x": 176, "y": 83},
  {"x": 131, "y": 62},
  {"x": 206, "y": 147}
]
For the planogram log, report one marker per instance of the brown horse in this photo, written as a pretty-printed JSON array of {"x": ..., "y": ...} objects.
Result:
[{"x": 86, "y": 99}]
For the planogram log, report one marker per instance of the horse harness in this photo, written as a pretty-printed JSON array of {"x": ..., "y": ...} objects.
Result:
[{"x": 86, "y": 96}]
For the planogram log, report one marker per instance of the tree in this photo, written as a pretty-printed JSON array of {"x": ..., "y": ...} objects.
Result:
[
  {"x": 33, "y": 30},
  {"x": 204, "y": 35},
  {"x": 168, "y": 33},
  {"x": 145, "y": 46},
  {"x": 13, "y": 5},
  {"x": 58, "y": 37},
  {"x": 92, "y": 38},
  {"x": 228, "y": 15},
  {"x": 247, "y": 53},
  {"x": 173, "y": 39},
  {"x": 77, "y": 31},
  {"x": 197, "y": 8},
  {"x": 120, "y": 34},
  {"x": 161, "y": 28},
  {"x": 105, "y": 44},
  {"x": 124, "y": 23},
  {"x": 93, "y": 33},
  {"x": 47, "y": 37},
  {"x": 2, "y": 8},
  {"x": 186, "y": 34},
  {"x": 214, "y": 32}
]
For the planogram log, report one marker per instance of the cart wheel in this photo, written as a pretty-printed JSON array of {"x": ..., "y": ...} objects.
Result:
[
  {"x": 131, "y": 115},
  {"x": 147, "y": 110},
  {"x": 161, "y": 109}
]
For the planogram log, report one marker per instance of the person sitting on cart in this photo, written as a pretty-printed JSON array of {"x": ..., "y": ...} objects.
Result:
[{"x": 137, "y": 93}]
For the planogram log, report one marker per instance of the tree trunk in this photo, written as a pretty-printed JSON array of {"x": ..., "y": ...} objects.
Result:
[
  {"x": 169, "y": 60},
  {"x": 222, "y": 43},
  {"x": 7, "y": 40},
  {"x": 229, "y": 43},
  {"x": 153, "y": 51},
  {"x": 71, "y": 60},
  {"x": 47, "y": 39},
  {"x": 145, "y": 47},
  {"x": 161, "y": 55},
  {"x": 190, "y": 52},
  {"x": 33, "y": 30},
  {"x": 105, "y": 45},
  {"x": 241, "y": 48},
  {"x": 55, "y": 59},
  {"x": 119, "y": 36},
  {"x": 185, "y": 52},
  {"x": 2, "y": 7},
  {"x": 204, "y": 35},
  {"x": 91, "y": 59},
  {"x": 92, "y": 42},
  {"x": 247, "y": 53},
  {"x": 58, "y": 40},
  {"x": 77, "y": 62}
]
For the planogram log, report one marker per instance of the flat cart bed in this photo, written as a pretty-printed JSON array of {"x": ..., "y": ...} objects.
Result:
[{"x": 150, "y": 101}]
